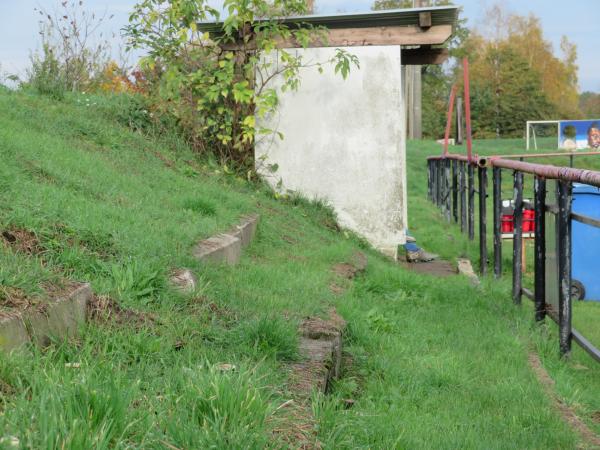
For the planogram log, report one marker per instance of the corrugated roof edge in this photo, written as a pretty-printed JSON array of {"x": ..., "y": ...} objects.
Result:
[{"x": 440, "y": 15}]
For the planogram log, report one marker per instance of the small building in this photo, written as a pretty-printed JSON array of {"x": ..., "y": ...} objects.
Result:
[{"x": 345, "y": 140}]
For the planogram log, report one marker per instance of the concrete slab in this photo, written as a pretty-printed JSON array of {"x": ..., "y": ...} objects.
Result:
[
  {"x": 321, "y": 349},
  {"x": 13, "y": 333},
  {"x": 223, "y": 248},
  {"x": 61, "y": 318},
  {"x": 247, "y": 228},
  {"x": 466, "y": 268},
  {"x": 227, "y": 247}
]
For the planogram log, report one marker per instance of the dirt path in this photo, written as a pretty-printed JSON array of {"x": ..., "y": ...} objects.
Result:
[{"x": 566, "y": 412}]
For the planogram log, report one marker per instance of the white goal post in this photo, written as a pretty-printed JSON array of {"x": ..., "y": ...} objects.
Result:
[{"x": 530, "y": 132}]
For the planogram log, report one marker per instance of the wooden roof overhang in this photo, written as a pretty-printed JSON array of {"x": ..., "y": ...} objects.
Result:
[{"x": 416, "y": 29}]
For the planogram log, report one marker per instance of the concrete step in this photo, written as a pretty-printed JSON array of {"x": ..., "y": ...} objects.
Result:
[{"x": 59, "y": 319}]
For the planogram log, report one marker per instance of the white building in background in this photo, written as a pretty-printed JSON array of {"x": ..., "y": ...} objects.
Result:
[{"x": 345, "y": 140}]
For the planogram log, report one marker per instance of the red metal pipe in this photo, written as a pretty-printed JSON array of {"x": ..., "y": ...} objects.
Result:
[
  {"x": 468, "y": 108},
  {"x": 546, "y": 155},
  {"x": 590, "y": 177},
  {"x": 548, "y": 171},
  {"x": 449, "y": 118}
]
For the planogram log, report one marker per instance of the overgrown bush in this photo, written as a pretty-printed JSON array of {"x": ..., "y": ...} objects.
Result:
[
  {"x": 71, "y": 57},
  {"x": 217, "y": 85}
]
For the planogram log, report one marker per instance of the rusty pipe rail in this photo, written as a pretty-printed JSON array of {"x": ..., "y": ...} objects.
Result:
[
  {"x": 546, "y": 155},
  {"x": 546, "y": 171}
]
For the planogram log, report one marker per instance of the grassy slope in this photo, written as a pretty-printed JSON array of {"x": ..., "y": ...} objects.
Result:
[{"x": 435, "y": 365}]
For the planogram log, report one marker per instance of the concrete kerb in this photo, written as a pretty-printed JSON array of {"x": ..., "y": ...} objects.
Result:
[
  {"x": 466, "y": 268},
  {"x": 321, "y": 350},
  {"x": 247, "y": 228},
  {"x": 227, "y": 247},
  {"x": 224, "y": 248},
  {"x": 59, "y": 319},
  {"x": 13, "y": 333}
]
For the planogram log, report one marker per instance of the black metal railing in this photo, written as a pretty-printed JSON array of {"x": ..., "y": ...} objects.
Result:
[{"x": 451, "y": 186}]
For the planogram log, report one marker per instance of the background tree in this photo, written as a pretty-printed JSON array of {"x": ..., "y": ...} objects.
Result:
[
  {"x": 516, "y": 75},
  {"x": 589, "y": 103}
]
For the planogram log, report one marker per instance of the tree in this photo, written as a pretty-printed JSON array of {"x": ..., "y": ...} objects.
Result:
[
  {"x": 589, "y": 103},
  {"x": 216, "y": 85},
  {"x": 516, "y": 76},
  {"x": 506, "y": 91}
]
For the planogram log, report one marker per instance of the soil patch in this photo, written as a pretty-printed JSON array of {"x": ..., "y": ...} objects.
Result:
[
  {"x": 14, "y": 301},
  {"x": 437, "y": 268},
  {"x": 344, "y": 270},
  {"x": 21, "y": 240},
  {"x": 104, "y": 309},
  {"x": 348, "y": 271},
  {"x": 567, "y": 413}
]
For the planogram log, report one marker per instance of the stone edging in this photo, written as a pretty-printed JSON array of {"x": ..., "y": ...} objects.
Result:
[
  {"x": 60, "y": 318},
  {"x": 464, "y": 267},
  {"x": 223, "y": 248},
  {"x": 321, "y": 350},
  {"x": 227, "y": 247}
]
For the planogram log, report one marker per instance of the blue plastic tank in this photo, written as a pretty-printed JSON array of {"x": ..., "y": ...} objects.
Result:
[{"x": 586, "y": 241}]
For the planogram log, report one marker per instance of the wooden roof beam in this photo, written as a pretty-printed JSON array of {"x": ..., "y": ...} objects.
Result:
[
  {"x": 359, "y": 37},
  {"x": 424, "y": 56}
]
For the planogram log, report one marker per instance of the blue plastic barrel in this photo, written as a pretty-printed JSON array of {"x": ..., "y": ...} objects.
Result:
[{"x": 586, "y": 241}]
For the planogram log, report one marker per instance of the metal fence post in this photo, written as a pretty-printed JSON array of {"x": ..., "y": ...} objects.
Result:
[
  {"x": 471, "y": 176},
  {"x": 448, "y": 198},
  {"x": 438, "y": 182},
  {"x": 497, "y": 188},
  {"x": 539, "y": 188},
  {"x": 454, "y": 190},
  {"x": 564, "y": 266},
  {"x": 518, "y": 239},
  {"x": 434, "y": 181},
  {"x": 429, "y": 190},
  {"x": 463, "y": 197},
  {"x": 482, "y": 175}
]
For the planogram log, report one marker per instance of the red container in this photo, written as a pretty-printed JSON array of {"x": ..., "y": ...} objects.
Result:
[
  {"x": 508, "y": 224},
  {"x": 528, "y": 221}
]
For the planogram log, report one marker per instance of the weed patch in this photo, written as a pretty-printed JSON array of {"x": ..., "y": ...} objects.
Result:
[{"x": 270, "y": 336}]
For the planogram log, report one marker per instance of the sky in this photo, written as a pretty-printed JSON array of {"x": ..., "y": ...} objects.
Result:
[{"x": 579, "y": 22}]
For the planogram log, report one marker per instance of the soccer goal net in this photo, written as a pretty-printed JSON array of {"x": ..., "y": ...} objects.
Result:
[{"x": 543, "y": 134}]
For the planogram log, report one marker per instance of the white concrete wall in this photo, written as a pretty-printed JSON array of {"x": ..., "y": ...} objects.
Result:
[{"x": 344, "y": 142}]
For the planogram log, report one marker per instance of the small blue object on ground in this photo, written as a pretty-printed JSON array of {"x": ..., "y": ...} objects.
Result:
[{"x": 586, "y": 242}]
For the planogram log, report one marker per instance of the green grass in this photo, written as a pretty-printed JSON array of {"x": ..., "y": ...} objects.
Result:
[
  {"x": 577, "y": 381},
  {"x": 436, "y": 363}
]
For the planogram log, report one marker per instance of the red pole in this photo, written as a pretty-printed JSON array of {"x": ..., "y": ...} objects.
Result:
[
  {"x": 449, "y": 118},
  {"x": 468, "y": 108}
]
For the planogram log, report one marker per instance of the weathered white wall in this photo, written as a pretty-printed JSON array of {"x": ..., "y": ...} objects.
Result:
[{"x": 344, "y": 142}]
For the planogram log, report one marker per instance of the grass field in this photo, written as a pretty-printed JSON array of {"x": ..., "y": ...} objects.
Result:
[{"x": 435, "y": 364}]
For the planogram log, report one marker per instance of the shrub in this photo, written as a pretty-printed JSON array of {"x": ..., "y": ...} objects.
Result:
[
  {"x": 69, "y": 60},
  {"x": 216, "y": 85}
]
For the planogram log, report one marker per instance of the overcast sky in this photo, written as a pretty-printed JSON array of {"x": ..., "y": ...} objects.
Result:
[{"x": 577, "y": 19}]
